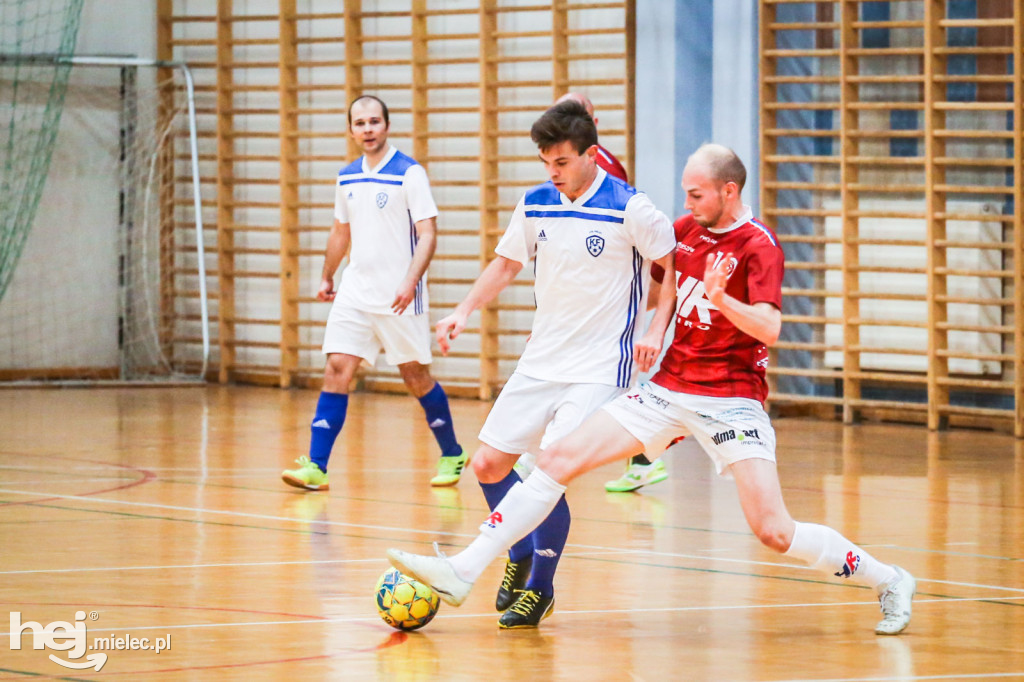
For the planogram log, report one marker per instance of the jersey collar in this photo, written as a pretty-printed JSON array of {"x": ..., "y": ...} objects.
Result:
[
  {"x": 383, "y": 162},
  {"x": 745, "y": 217},
  {"x": 585, "y": 197}
]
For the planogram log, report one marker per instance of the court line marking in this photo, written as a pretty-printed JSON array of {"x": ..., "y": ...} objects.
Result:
[
  {"x": 561, "y": 612},
  {"x": 374, "y": 560},
  {"x": 173, "y": 566},
  {"x": 200, "y": 510},
  {"x": 900, "y": 678},
  {"x": 145, "y": 477},
  {"x": 714, "y": 531}
]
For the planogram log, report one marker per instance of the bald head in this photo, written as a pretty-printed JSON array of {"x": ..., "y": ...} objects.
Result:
[
  {"x": 719, "y": 164},
  {"x": 582, "y": 99}
]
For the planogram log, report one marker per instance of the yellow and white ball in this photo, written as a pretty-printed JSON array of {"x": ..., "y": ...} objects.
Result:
[{"x": 405, "y": 603}]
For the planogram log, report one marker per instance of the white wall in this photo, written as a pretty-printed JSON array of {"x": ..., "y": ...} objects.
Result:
[
  {"x": 62, "y": 301},
  {"x": 122, "y": 27},
  {"x": 656, "y": 172}
]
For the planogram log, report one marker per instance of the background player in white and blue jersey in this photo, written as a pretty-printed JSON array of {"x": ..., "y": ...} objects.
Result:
[
  {"x": 384, "y": 211},
  {"x": 593, "y": 238}
]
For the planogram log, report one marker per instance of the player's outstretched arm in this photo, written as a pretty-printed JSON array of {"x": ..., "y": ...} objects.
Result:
[
  {"x": 426, "y": 242},
  {"x": 648, "y": 348},
  {"x": 761, "y": 320},
  {"x": 495, "y": 277},
  {"x": 338, "y": 242}
]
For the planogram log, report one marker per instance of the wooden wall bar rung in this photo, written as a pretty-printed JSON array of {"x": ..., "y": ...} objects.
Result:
[
  {"x": 804, "y": 26},
  {"x": 976, "y": 23},
  {"x": 977, "y": 51},
  {"x": 244, "y": 18},
  {"x": 861, "y": 25},
  {"x": 810, "y": 80},
  {"x": 452, "y": 36},
  {"x": 893, "y": 378}
]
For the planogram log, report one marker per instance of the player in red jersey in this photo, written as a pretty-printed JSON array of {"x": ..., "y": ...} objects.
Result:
[
  {"x": 711, "y": 385},
  {"x": 640, "y": 470},
  {"x": 605, "y": 159}
]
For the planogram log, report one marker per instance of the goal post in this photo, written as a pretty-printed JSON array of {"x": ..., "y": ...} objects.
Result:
[{"x": 111, "y": 286}]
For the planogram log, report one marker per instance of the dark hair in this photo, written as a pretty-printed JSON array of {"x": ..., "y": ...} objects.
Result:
[
  {"x": 566, "y": 121},
  {"x": 378, "y": 100}
]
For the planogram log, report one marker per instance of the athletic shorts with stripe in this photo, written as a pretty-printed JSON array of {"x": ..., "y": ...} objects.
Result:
[{"x": 729, "y": 429}]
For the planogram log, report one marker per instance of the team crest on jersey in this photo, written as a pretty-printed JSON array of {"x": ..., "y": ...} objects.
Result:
[
  {"x": 730, "y": 267},
  {"x": 595, "y": 245},
  {"x": 382, "y": 199}
]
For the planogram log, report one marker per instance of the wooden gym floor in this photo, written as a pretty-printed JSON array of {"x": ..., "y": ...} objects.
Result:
[{"x": 159, "y": 513}]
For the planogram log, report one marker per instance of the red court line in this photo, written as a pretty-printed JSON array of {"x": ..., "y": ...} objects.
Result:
[{"x": 147, "y": 476}]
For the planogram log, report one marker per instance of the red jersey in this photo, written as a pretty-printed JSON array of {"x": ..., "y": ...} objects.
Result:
[
  {"x": 709, "y": 355},
  {"x": 611, "y": 165}
]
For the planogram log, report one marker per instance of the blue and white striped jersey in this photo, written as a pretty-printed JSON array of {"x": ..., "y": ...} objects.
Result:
[
  {"x": 381, "y": 206},
  {"x": 593, "y": 260}
]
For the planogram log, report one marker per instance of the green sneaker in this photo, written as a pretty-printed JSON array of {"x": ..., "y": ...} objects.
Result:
[
  {"x": 308, "y": 476},
  {"x": 637, "y": 476},
  {"x": 449, "y": 469},
  {"x": 514, "y": 580},
  {"x": 528, "y": 611}
]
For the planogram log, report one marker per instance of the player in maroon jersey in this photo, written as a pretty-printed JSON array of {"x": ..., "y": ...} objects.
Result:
[
  {"x": 605, "y": 159},
  {"x": 711, "y": 385}
]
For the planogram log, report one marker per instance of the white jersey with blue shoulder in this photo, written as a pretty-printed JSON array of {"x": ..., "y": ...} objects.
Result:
[
  {"x": 593, "y": 260},
  {"x": 381, "y": 206}
]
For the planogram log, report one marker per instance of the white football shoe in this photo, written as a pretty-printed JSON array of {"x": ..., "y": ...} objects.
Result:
[
  {"x": 435, "y": 571},
  {"x": 895, "y": 602}
]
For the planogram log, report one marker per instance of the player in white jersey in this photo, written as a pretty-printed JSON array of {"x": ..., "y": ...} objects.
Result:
[
  {"x": 592, "y": 238},
  {"x": 640, "y": 470},
  {"x": 384, "y": 210}
]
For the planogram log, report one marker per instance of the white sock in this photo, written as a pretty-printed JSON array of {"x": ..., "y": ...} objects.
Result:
[
  {"x": 522, "y": 509},
  {"x": 826, "y": 550}
]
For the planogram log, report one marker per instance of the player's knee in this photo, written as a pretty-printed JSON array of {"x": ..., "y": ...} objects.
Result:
[
  {"x": 417, "y": 378},
  {"x": 488, "y": 468},
  {"x": 338, "y": 374},
  {"x": 773, "y": 534},
  {"x": 557, "y": 463},
  {"x": 549, "y": 458}
]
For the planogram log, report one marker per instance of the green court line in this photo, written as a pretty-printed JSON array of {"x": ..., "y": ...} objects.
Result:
[
  {"x": 812, "y": 581},
  {"x": 26, "y": 673},
  {"x": 576, "y": 517},
  {"x": 577, "y": 558},
  {"x": 643, "y": 524}
]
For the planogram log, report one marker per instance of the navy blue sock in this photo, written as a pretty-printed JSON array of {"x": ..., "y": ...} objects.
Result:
[
  {"x": 494, "y": 493},
  {"x": 327, "y": 423},
  {"x": 439, "y": 418},
  {"x": 549, "y": 541}
]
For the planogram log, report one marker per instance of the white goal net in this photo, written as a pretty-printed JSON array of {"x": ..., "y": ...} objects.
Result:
[{"x": 110, "y": 284}]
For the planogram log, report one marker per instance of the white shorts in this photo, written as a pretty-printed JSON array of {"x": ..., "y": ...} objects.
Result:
[
  {"x": 530, "y": 413},
  {"x": 729, "y": 429},
  {"x": 405, "y": 338}
]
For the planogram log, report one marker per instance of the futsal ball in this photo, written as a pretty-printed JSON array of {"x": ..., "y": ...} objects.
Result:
[{"x": 405, "y": 603}]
